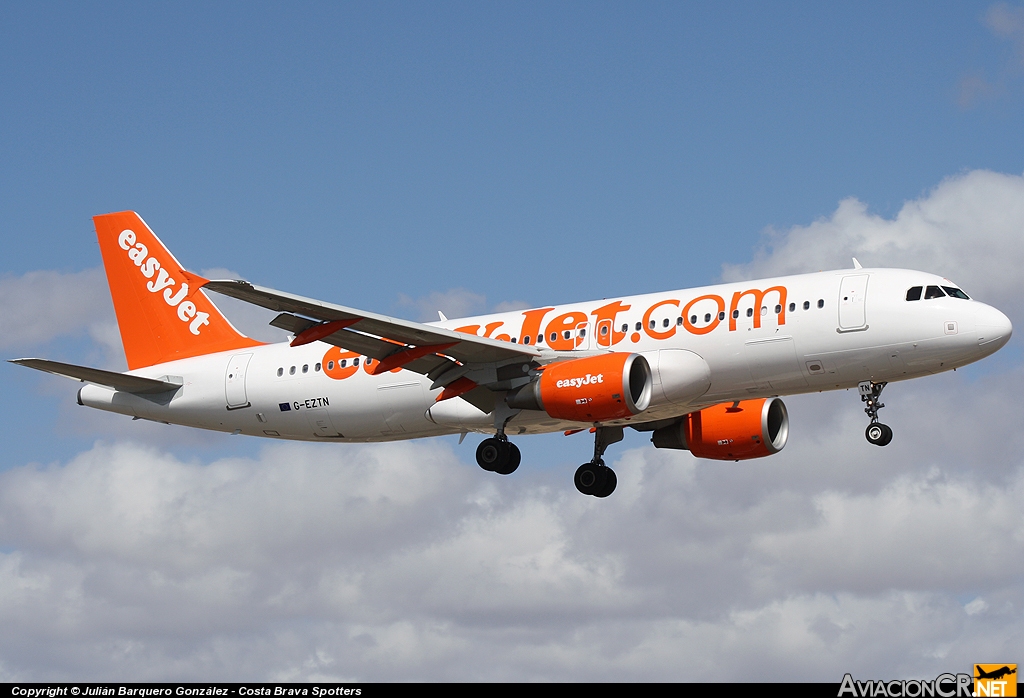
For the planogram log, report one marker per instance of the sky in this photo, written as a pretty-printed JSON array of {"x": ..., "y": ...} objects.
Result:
[{"x": 407, "y": 158}]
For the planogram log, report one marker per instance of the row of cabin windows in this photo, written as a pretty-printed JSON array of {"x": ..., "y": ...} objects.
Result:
[
  {"x": 914, "y": 293},
  {"x": 582, "y": 332},
  {"x": 666, "y": 322},
  {"x": 317, "y": 366}
]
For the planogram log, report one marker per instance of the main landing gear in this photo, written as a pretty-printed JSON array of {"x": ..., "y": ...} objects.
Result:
[
  {"x": 498, "y": 455},
  {"x": 877, "y": 433},
  {"x": 595, "y": 478}
]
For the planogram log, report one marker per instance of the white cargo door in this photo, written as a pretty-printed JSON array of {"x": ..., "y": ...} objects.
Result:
[
  {"x": 234, "y": 381},
  {"x": 773, "y": 364},
  {"x": 320, "y": 421},
  {"x": 853, "y": 293},
  {"x": 401, "y": 405}
]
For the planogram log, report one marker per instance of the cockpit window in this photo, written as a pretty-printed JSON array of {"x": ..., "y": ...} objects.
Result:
[
  {"x": 933, "y": 292},
  {"x": 956, "y": 293},
  {"x": 914, "y": 294}
]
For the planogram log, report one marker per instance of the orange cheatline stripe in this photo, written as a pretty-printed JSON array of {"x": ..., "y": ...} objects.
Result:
[
  {"x": 401, "y": 358},
  {"x": 324, "y": 329},
  {"x": 459, "y": 387}
]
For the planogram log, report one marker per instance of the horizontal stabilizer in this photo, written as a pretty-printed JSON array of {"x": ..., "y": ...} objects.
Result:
[{"x": 110, "y": 379}]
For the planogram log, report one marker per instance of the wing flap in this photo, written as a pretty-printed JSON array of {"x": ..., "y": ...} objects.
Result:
[
  {"x": 110, "y": 379},
  {"x": 467, "y": 348}
]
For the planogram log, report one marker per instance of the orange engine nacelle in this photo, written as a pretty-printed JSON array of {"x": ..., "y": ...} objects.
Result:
[
  {"x": 594, "y": 389},
  {"x": 730, "y": 431}
]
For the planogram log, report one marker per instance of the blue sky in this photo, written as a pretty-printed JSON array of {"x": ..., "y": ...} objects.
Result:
[{"x": 396, "y": 156}]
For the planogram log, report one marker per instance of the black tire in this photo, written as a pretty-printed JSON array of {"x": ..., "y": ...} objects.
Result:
[
  {"x": 878, "y": 434},
  {"x": 590, "y": 478},
  {"x": 609, "y": 483},
  {"x": 492, "y": 454},
  {"x": 514, "y": 458}
]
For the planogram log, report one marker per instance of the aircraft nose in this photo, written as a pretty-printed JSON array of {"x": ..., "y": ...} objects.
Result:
[{"x": 994, "y": 328}]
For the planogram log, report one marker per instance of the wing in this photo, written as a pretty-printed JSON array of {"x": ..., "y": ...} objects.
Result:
[
  {"x": 110, "y": 379},
  {"x": 444, "y": 356}
]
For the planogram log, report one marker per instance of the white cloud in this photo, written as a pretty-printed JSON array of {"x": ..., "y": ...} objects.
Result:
[
  {"x": 970, "y": 228},
  {"x": 399, "y": 562},
  {"x": 42, "y": 305},
  {"x": 454, "y": 303},
  {"x": 1007, "y": 22}
]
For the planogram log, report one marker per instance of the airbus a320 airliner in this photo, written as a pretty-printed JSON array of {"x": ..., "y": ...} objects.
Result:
[{"x": 700, "y": 369}]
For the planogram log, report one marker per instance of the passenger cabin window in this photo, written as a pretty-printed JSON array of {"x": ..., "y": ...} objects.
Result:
[
  {"x": 707, "y": 317},
  {"x": 625, "y": 327},
  {"x": 807, "y": 305},
  {"x": 721, "y": 315},
  {"x": 956, "y": 293},
  {"x": 792, "y": 307},
  {"x": 735, "y": 314},
  {"x": 914, "y": 294},
  {"x": 664, "y": 323},
  {"x": 291, "y": 371},
  {"x": 821, "y": 303},
  {"x": 305, "y": 368},
  {"x": 280, "y": 372},
  {"x": 750, "y": 312},
  {"x": 639, "y": 326},
  {"x": 526, "y": 339},
  {"x": 316, "y": 367},
  {"x": 933, "y": 292}
]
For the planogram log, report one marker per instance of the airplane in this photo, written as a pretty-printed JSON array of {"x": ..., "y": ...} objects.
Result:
[{"x": 700, "y": 369}]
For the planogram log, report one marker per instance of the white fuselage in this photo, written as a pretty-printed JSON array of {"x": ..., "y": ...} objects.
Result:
[{"x": 795, "y": 334}]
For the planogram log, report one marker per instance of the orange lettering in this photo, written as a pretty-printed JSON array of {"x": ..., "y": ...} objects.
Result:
[
  {"x": 758, "y": 299},
  {"x": 690, "y": 327},
  {"x": 605, "y": 317},
  {"x": 531, "y": 325},
  {"x": 332, "y": 363},
  {"x": 647, "y": 321},
  {"x": 562, "y": 324}
]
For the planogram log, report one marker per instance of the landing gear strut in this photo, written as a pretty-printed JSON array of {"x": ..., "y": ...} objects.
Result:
[
  {"x": 595, "y": 478},
  {"x": 877, "y": 433},
  {"x": 497, "y": 454}
]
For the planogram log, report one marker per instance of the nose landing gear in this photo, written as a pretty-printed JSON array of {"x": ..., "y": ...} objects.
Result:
[
  {"x": 595, "y": 478},
  {"x": 877, "y": 433}
]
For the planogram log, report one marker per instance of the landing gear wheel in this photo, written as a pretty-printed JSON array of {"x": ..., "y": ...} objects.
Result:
[
  {"x": 591, "y": 478},
  {"x": 514, "y": 457},
  {"x": 879, "y": 434},
  {"x": 595, "y": 479},
  {"x": 492, "y": 454},
  {"x": 609, "y": 483}
]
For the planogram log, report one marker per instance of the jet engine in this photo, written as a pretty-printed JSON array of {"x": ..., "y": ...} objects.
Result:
[
  {"x": 592, "y": 389},
  {"x": 730, "y": 431}
]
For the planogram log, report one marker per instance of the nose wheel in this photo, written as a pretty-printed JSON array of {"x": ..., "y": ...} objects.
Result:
[
  {"x": 877, "y": 433},
  {"x": 498, "y": 455},
  {"x": 595, "y": 478}
]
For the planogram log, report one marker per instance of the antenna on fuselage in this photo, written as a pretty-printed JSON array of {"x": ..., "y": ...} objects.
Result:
[{"x": 856, "y": 264}]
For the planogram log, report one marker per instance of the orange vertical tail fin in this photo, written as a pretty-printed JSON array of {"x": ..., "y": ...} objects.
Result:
[{"x": 161, "y": 312}]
